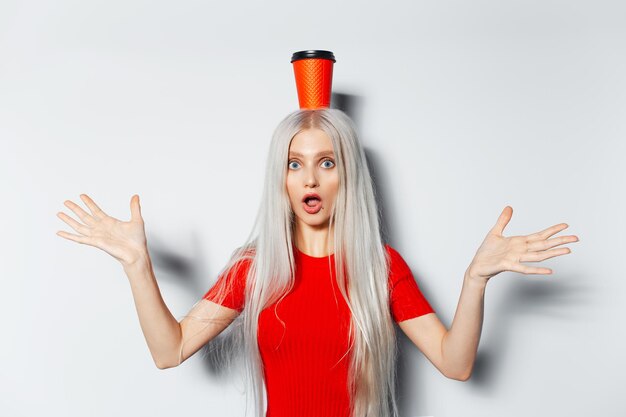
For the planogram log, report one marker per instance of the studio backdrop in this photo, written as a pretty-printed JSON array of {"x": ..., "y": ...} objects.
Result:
[{"x": 463, "y": 108}]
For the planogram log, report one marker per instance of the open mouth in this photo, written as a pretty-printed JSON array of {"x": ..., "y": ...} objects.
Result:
[{"x": 312, "y": 203}]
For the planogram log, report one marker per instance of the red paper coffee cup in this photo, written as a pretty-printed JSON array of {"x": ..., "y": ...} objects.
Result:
[{"x": 314, "y": 77}]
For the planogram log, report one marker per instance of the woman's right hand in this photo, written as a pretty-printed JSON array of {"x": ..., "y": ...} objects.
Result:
[{"x": 125, "y": 241}]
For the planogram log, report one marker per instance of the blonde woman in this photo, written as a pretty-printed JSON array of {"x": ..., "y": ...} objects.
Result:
[{"x": 319, "y": 338}]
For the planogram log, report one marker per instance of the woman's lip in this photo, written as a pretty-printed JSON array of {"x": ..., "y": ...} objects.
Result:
[
  {"x": 312, "y": 210},
  {"x": 311, "y": 195}
]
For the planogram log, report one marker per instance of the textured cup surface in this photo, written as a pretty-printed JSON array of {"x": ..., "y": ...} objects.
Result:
[{"x": 314, "y": 78}]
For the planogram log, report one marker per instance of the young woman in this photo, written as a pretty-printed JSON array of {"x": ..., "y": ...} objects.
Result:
[{"x": 319, "y": 337}]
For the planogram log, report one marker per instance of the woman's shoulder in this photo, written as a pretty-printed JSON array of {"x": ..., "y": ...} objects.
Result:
[
  {"x": 398, "y": 268},
  {"x": 392, "y": 252}
]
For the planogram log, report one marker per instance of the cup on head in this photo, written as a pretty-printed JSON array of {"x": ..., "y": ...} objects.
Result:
[{"x": 314, "y": 77}]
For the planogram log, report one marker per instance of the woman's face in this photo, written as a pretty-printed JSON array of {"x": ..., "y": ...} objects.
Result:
[{"x": 312, "y": 169}]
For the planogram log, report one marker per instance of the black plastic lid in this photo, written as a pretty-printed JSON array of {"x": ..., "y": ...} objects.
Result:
[{"x": 311, "y": 53}]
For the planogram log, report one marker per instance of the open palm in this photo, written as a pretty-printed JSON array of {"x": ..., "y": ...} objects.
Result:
[
  {"x": 498, "y": 253},
  {"x": 125, "y": 241}
]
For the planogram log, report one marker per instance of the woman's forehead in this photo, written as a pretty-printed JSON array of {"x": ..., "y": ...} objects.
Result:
[{"x": 310, "y": 142}]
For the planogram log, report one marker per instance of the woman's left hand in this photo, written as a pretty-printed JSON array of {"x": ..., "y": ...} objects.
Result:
[{"x": 498, "y": 253}]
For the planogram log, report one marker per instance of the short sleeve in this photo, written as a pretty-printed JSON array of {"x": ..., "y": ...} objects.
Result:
[
  {"x": 405, "y": 298},
  {"x": 229, "y": 290}
]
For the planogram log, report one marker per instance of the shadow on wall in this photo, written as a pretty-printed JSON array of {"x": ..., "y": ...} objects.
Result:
[
  {"x": 350, "y": 104},
  {"x": 561, "y": 301},
  {"x": 406, "y": 380}
]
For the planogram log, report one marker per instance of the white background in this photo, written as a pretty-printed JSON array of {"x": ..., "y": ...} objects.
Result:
[{"x": 463, "y": 108}]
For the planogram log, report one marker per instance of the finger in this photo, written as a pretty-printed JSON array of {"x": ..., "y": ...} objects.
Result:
[
  {"x": 503, "y": 220},
  {"x": 540, "y": 245},
  {"x": 541, "y": 256},
  {"x": 76, "y": 238},
  {"x": 525, "y": 269},
  {"x": 80, "y": 228},
  {"x": 546, "y": 233},
  {"x": 95, "y": 210},
  {"x": 82, "y": 214},
  {"x": 135, "y": 208}
]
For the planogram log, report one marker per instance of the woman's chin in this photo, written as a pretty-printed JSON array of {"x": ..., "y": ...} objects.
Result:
[{"x": 309, "y": 220}]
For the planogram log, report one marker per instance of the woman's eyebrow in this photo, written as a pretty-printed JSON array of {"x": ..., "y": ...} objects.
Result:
[{"x": 323, "y": 153}]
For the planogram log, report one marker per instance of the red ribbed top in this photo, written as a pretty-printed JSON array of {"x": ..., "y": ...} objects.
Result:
[{"x": 305, "y": 362}]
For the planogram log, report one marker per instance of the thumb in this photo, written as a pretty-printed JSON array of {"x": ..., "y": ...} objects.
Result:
[
  {"x": 503, "y": 220},
  {"x": 135, "y": 208}
]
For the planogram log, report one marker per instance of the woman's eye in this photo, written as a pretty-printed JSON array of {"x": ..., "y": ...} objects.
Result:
[{"x": 328, "y": 161}]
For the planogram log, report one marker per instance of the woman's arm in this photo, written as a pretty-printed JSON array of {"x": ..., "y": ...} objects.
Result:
[
  {"x": 453, "y": 351},
  {"x": 460, "y": 344},
  {"x": 126, "y": 242},
  {"x": 171, "y": 342},
  {"x": 160, "y": 329}
]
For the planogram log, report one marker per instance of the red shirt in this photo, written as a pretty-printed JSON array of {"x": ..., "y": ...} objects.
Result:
[{"x": 305, "y": 362}]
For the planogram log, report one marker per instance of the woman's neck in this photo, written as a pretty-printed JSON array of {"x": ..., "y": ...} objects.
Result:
[{"x": 314, "y": 242}]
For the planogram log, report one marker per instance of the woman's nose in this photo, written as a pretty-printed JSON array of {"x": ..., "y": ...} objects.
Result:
[{"x": 311, "y": 177}]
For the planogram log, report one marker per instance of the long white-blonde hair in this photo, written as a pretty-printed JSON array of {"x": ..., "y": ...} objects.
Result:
[{"x": 357, "y": 236}]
